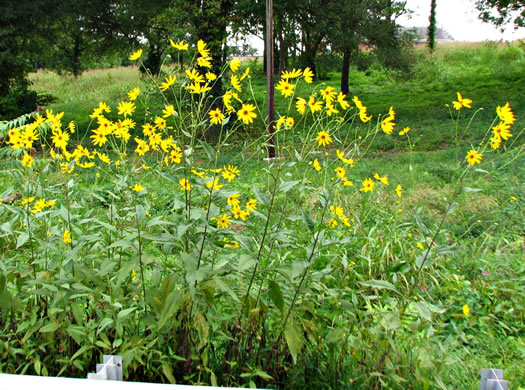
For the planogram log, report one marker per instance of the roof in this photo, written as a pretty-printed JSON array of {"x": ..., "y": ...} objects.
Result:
[{"x": 421, "y": 34}]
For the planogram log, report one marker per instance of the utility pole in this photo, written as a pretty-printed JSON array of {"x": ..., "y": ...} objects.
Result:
[{"x": 269, "y": 77}]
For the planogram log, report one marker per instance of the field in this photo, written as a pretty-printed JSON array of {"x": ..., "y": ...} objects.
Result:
[{"x": 360, "y": 258}]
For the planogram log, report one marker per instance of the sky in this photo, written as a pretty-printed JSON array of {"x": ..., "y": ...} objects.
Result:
[{"x": 460, "y": 19}]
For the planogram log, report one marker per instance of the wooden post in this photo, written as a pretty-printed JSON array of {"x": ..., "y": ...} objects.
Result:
[{"x": 269, "y": 77}]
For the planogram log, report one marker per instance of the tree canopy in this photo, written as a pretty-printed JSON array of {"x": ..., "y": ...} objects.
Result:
[{"x": 502, "y": 12}]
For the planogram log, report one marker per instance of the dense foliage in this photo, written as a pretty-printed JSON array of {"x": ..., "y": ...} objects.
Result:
[{"x": 203, "y": 263}]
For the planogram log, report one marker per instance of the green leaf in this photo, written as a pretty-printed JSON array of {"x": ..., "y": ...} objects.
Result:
[
  {"x": 261, "y": 198},
  {"x": 286, "y": 186},
  {"x": 468, "y": 189},
  {"x": 246, "y": 262},
  {"x": 141, "y": 212},
  {"x": 276, "y": 295},
  {"x": 380, "y": 284},
  {"x": 202, "y": 329},
  {"x": 452, "y": 207},
  {"x": 51, "y": 327},
  {"x": 293, "y": 339},
  {"x": 422, "y": 226},
  {"x": 105, "y": 323},
  {"x": 22, "y": 239},
  {"x": 167, "y": 371},
  {"x": 124, "y": 313},
  {"x": 173, "y": 302},
  {"x": 423, "y": 310},
  {"x": 308, "y": 221}
]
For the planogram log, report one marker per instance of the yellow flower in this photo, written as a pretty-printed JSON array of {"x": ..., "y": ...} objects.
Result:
[
  {"x": 301, "y": 105},
  {"x": 133, "y": 275},
  {"x": 168, "y": 111},
  {"x": 136, "y": 55},
  {"x": 194, "y": 76},
  {"x": 66, "y": 237},
  {"x": 126, "y": 108},
  {"x": 224, "y": 222},
  {"x": 348, "y": 183},
  {"x": 71, "y": 127},
  {"x": 291, "y": 74},
  {"x": 185, "y": 184},
  {"x": 341, "y": 172},
  {"x": 205, "y": 62},
  {"x": 501, "y": 131},
  {"x": 181, "y": 45},
  {"x": 160, "y": 123},
  {"x": 314, "y": 106},
  {"x": 383, "y": 180},
  {"x": 404, "y": 131},
  {"x": 142, "y": 147},
  {"x": 337, "y": 210},
  {"x": 362, "y": 115},
  {"x": 285, "y": 88},
  {"x": 387, "y": 125},
  {"x": 341, "y": 157},
  {"x": 344, "y": 219},
  {"x": 28, "y": 200},
  {"x": 103, "y": 157},
  {"x": 237, "y": 212},
  {"x": 236, "y": 83},
  {"x": 168, "y": 82},
  {"x": 137, "y": 188},
  {"x": 332, "y": 223},
  {"x": 368, "y": 185},
  {"x": 214, "y": 184},
  {"x": 27, "y": 160},
  {"x": 229, "y": 173},
  {"x": 316, "y": 165},
  {"x": 420, "y": 245},
  {"x": 201, "y": 48},
  {"x": 308, "y": 75},
  {"x": 39, "y": 205},
  {"x": 328, "y": 94},
  {"x": 216, "y": 116},
  {"x": 330, "y": 109},
  {"x": 495, "y": 142},
  {"x": 251, "y": 205},
  {"x": 342, "y": 102},
  {"x": 462, "y": 102},
  {"x": 233, "y": 200},
  {"x": 231, "y": 244},
  {"x": 513, "y": 198},
  {"x": 246, "y": 113},
  {"x": 198, "y": 88},
  {"x": 134, "y": 94},
  {"x": 399, "y": 191},
  {"x": 246, "y": 73},
  {"x": 505, "y": 114},
  {"x": 466, "y": 310},
  {"x": 210, "y": 76},
  {"x": 473, "y": 157},
  {"x": 235, "y": 64},
  {"x": 323, "y": 138}
]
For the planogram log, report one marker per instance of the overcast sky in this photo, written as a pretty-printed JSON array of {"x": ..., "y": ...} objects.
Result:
[{"x": 460, "y": 19}]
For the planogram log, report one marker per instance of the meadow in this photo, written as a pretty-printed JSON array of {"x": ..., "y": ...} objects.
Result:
[{"x": 383, "y": 248}]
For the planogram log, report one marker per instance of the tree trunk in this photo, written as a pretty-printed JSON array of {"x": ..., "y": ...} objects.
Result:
[
  {"x": 345, "y": 70},
  {"x": 431, "y": 32}
]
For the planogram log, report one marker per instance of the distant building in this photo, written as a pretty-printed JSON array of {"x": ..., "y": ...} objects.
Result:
[{"x": 421, "y": 35}]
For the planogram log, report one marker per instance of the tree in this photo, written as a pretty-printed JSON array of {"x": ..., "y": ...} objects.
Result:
[
  {"x": 20, "y": 22},
  {"x": 431, "y": 31},
  {"x": 501, "y": 12}
]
